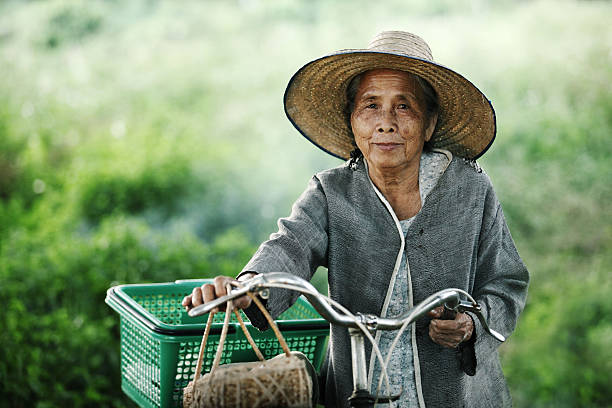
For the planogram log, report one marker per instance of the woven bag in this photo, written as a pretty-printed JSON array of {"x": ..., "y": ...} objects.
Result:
[{"x": 287, "y": 380}]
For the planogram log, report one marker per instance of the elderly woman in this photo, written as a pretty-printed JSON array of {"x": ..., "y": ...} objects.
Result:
[{"x": 409, "y": 214}]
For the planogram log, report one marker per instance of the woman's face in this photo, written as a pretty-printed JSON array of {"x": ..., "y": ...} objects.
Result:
[{"x": 389, "y": 121}]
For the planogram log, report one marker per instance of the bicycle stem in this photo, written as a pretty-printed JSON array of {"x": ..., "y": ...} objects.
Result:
[{"x": 360, "y": 376}]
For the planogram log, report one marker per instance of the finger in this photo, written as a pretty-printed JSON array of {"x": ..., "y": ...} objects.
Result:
[
  {"x": 465, "y": 319},
  {"x": 186, "y": 301},
  {"x": 446, "y": 326},
  {"x": 196, "y": 297},
  {"x": 212, "y": 291},
  {"x": 445, "y": 338},
  {"x": 436, "y": 313},
  {"x": 462, "y": 325},
  {"x": 208, "y": 292},
  {"x": 452, "y": 339},
  {"x": 451, "y": 344},
  {"x": 220, "y": 282},
  {"x": 451, "y": 335},
  {"x": 208, "y": 295},
  {"x": 468, "y": 326},
  {"x": 446, "y": 341},
  {"x": 439, "y": 339}
]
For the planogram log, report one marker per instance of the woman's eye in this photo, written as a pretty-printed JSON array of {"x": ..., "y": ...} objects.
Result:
[
  {"x": 402, "y": 106},
  {"x": 371, "y": 106}
]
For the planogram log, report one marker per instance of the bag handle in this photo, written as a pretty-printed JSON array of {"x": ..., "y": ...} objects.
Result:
[{"x": 228, "y": 311}]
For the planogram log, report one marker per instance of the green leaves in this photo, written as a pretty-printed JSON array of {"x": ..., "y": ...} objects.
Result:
[
  {"x": 155, "y": 186},
  {"x": 59, "y": 340}
]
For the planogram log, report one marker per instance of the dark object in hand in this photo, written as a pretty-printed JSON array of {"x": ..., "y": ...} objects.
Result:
[{"x": 465, "y": 351}]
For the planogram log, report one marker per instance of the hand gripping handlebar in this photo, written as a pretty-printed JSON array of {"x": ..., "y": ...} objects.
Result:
[{"x": 450, "y": 298}]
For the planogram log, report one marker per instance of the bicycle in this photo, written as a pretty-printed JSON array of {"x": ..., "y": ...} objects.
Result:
[{"x": 359, "y": 325}]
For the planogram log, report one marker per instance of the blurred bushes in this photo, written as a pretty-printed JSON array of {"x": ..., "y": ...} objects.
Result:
[
  {"x": 556, "y": 197},
  {"x": 566, "y": 353},
  {"x": 156, "y": 186},
  {"x": 60, "y": 343},
  {"x": 16, "y": 180},
  {"x": 119, "y": 223},
  {"x": 71, "y": 22}
]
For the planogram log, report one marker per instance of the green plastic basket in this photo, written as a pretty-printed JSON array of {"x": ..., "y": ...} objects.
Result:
[{"x": 160, "y": 342}]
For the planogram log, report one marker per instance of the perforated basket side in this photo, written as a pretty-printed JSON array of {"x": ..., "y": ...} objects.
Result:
[
  {"x": 140, "y": 364},
  {"x": 158, "y": 359}
]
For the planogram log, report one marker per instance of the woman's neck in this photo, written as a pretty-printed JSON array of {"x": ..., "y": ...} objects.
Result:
[{"x": 400, "y": 187}]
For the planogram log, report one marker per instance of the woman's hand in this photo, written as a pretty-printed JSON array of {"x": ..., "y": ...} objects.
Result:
[
  {"x": 208, "y": 292},
  {"x": 450, "y": 333}
]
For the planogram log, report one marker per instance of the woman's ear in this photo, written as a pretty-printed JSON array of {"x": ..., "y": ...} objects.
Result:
[{"x": 433, "y": 121}]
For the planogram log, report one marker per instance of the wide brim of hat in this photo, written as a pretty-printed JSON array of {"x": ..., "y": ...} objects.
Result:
[{"x": 315, "y": 101}]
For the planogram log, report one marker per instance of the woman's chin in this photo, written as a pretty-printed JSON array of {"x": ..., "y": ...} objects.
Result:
[{"x": 388, "y": 159}]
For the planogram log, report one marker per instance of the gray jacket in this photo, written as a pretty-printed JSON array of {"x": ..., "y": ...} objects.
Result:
[{"x": 458, "y": 239}]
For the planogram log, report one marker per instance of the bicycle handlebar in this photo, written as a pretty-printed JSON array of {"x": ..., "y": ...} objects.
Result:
[{"x": 450, "y": 298}]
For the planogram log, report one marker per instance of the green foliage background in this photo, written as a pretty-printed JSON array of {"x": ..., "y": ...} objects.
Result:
[{"x": 145, "y": 141}]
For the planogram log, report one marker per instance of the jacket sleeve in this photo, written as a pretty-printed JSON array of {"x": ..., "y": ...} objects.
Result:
[
  {"x": 299, "y": 247},
  {"x": 501, "y": 280}
]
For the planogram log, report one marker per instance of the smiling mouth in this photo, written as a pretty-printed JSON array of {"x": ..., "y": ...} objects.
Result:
[{"x": 387, "y": 146}]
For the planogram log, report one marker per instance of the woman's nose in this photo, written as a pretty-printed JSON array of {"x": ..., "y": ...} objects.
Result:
[{"x": 387, "y": 122}]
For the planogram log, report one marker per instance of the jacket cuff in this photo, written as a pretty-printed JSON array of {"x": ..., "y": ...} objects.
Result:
[{"x": 244, "y": 273}]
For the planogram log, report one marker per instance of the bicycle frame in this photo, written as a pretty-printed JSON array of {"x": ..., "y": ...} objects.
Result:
[{"x": 357, "y": 324}]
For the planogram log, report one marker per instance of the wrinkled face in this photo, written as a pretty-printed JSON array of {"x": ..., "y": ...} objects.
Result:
[{"x": 389, "y": 120}]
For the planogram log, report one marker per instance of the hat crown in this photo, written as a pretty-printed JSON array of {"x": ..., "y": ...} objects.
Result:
[{"x": 403, "y": 43}]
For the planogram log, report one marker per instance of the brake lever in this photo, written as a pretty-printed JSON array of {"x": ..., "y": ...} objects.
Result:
[{"x": 465, "y": 306}]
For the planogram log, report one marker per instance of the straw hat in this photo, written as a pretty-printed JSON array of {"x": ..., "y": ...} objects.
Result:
[{"x": 315, "y": 98}]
